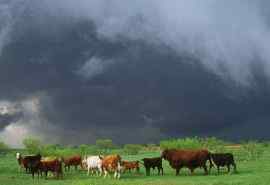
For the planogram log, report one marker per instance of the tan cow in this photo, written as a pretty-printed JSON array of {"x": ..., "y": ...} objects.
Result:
[{"x": 111, "y": 164}]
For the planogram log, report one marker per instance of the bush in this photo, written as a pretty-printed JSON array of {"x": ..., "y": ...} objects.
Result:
[
  {"x": 32, "y": 145},
  {"x": 253, "y": 150},
  {"x": 185, "y": 143},
  {"x": 3, "y": 148},
  {"x": 213, "y": 144},
  {"x": 132, "y": 149}
]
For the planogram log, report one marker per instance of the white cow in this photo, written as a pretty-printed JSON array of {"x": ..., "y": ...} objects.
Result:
[{"x": 94, "y": 164}]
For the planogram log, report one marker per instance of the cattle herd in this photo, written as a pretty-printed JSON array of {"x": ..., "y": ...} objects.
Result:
[{"x": 113, "y": 164}]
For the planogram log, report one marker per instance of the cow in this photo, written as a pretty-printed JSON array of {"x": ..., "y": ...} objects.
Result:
[
  {"x": 153, "y": 163},
  {"x": 93, "y": 164},
  {"x": 191, "y": 159},
  {"x": 72, "y": 161},
  {"x": 130, "y": 165},
  {"x": 223, "y": 159},
  {"x": 111, "y": 163},
  {"x": 31, "y": 163},
  {"x": 53, "y": 165},
  {"x": 22, "y": 162}
]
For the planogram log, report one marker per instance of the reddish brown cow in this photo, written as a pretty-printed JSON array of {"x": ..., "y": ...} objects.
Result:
[
  {"x": 111, "y": 163},
  {"x": 130, "y": 165},
  {"x": 72, "y": 161},
  {"x": 54, "y": 166},
  {"x": 191, "y": 159}
]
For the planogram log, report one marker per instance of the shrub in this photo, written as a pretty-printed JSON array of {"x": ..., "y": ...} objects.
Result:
[
  {"x": 213, "y": 144},
  {"x": 253, "y": 150},
  {"x": 3, "y": 148},
  {"x": 32, "y": 145},
  {"x": 185, "y": 143},
  {"x": 132, "y": 149}
]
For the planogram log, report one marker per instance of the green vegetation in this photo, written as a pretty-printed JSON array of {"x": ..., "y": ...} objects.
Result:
[
  {"x": 32, "y": 145},
  {"x": 3, "y": 148},
  {"x": 132, "y": 149},
  {"x": 252, "y": 162}
]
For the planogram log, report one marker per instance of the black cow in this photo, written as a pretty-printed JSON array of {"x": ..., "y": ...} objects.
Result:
[
  {"x": 33, "y": 163},
  {"x": 224, "y": 159},
  {"x": 153, "y": 163}
]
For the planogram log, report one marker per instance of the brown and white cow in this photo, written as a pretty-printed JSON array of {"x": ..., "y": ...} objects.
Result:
[
  {"x": 112, "y": 164},
  {"x": 30, "y": 163},
  {"x": 53, "y": 165},
  {"x": 75, "y": 161},
  {"x": 191, "y": 159}
]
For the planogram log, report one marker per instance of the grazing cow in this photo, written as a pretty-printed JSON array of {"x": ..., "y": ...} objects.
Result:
[
  {"x": 53, "y": 165},
  {"x": 191, "y": 159},
  {"x": 130, "y": 165},
  {"x": 112, "y": 163},
  {"x": 72, "y": 161},
  {"x": 94, "y": 164},
  {"x": 153, "y": 163},
  {"x": 224, "y": 159}
]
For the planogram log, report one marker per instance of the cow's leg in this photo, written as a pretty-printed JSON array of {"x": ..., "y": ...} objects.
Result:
[
  {"x": 161, "y": 170},
  {"x": 191, "y": 171},
  {"x": 105, "y": 173},
  {"x": 205, "y": 169},
  {"x": 147, "y": 171},
  {"x": 229, "y": 168},
  {"x": 88, "y": 170},
  {"x": 234, "y": 167},
  {"x": 218, "y": 169},
  {"x": 177, "y": 170},
  {"x": 115, "y": 174}
]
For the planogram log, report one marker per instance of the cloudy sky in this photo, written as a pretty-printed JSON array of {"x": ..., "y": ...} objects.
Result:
[{"x": 134, "y": 71}]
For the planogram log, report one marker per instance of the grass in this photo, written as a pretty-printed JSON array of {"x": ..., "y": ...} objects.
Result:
[{"x": 250, "y": 173}]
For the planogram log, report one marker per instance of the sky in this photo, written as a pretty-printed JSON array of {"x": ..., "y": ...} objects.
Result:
[{"x": 134, "y": 71}]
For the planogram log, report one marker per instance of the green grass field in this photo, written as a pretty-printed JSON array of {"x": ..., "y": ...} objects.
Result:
[{"x": 250, "y": 173}]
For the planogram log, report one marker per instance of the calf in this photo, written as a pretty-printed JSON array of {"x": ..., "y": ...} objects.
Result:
[
  {"x": 72, "y": 161},
  {"x": 54, "y": 166},
  {"x": 153, "y": 163},
  {"x": 223, "y": 159},
  {"x": 130, "y": 165},
  {"x": 111, "y": 163},
  {"x": 94, "y": 164}
]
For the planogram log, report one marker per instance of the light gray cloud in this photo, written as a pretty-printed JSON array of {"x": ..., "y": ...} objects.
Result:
[
  {"x": 227, "y": 36},
  {"x": 92, "y": 67}
]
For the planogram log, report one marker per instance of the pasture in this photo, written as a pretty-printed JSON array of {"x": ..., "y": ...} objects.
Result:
[{"x": 253, "y": 172}]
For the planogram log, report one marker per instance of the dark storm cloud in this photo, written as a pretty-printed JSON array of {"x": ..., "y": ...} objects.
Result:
[{"x": 101, "y": 69}]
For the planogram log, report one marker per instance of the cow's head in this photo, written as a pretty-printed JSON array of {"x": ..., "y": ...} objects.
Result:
[
  {"x": 165, "y": 154},
  {"x": 18, "y": 155},
  {"x": 100, "y": 157}
]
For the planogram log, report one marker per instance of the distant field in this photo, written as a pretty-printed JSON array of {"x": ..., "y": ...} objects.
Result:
[{"x": 250, "y": 173}]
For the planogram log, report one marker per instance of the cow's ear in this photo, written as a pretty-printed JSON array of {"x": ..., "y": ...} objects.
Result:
[{"x": 100, "y": 157}]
